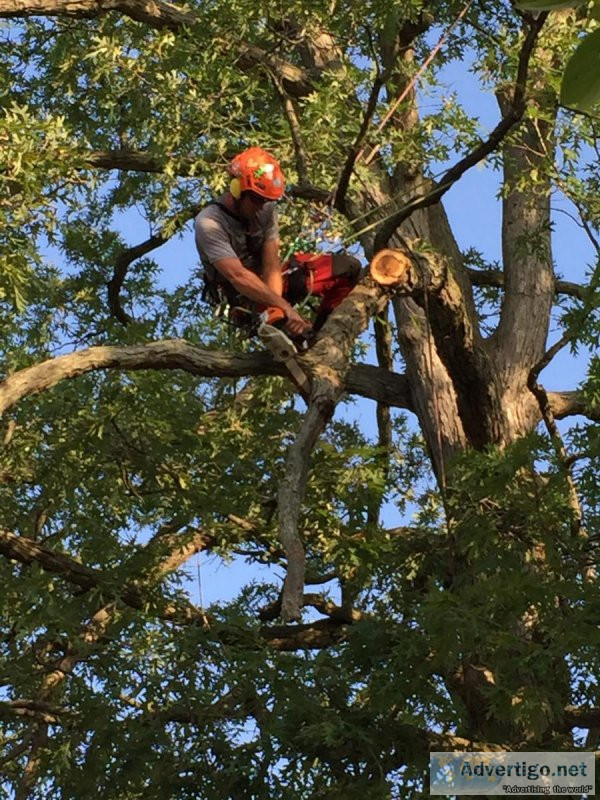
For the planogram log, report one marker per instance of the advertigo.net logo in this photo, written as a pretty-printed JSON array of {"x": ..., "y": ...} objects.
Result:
[{"x": 511, "y": 773}]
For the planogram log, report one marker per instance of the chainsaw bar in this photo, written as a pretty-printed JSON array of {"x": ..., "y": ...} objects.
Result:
[{"x": 283, "y": 349}]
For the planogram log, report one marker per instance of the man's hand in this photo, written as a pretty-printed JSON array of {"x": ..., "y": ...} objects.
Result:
[{"x": 294, "y": 323}]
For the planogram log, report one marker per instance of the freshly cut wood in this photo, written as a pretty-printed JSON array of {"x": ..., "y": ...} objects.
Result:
[{"x": 390, "y": 267}]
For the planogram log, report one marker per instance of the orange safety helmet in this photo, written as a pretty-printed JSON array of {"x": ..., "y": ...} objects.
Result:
[{"x": 255, "y": 170}]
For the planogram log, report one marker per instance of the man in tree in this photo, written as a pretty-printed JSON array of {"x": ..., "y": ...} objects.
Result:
[{"x": 237, "y": 237}]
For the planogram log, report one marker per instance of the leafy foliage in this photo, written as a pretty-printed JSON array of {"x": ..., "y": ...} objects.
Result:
[{"x": 580, "y": 88}]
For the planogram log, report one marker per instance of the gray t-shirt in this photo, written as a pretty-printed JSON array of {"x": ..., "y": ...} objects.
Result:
[{"x": 220, "y": 235}]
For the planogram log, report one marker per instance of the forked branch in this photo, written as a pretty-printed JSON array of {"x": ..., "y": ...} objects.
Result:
[
  {"x": 128, "y": 256},
  {"x": 328, "y": 363}
]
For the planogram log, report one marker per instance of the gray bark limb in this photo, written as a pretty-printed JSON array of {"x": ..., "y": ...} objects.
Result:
[
  {"x": 328, "y": 362},
  {"x": 156, "y": 13},
  {"x": 364, "y": 379},
  {"x": 291, "y": 493},
  {"x": 527, "y": 258}
]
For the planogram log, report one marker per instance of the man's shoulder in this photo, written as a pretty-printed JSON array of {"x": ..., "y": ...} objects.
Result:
[
  {"x": 213, "y": 219},
  {"x": 212, "y": 210}
]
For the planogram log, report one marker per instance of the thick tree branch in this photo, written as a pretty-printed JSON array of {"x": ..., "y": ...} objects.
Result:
[
  {"x": 432, "y": 283},
  {"x": 159, "y": 14},
  {"x": 495, "y": 278},
  {"x": 291, "y": 494},
  {"x": 302, "y": 637},
  {"x": 569, "y": 404},
  {"x": 328, "y": 362},
  {"x": 138, "y": 161},
  {"x": 510, "y": 118},
  {"x": 134, "y": 161},
  {"x": 363, "y": 379},
  {"x": 296, "y": 81},
  {"x": 175, "y": 550}
]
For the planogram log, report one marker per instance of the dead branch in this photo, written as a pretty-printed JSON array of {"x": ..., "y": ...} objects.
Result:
[{"x": 328, "y": 364}]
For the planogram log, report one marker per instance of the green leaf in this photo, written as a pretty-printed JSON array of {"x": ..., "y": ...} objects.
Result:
[
  {"x": 595, "y": 10},
  {"x": 547, "y": 5},
  {"x": 580, "y": 87}
]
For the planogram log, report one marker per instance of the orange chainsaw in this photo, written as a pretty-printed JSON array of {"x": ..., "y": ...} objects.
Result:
[{"x": 282, "y": 348}]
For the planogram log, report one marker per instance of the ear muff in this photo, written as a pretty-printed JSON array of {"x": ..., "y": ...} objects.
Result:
[{"x": 235, "y": 187}]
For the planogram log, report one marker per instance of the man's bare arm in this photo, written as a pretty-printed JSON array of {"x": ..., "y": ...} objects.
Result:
[
  {"x": 254, "y": 288},
  {"x": 271, "y": 266}
]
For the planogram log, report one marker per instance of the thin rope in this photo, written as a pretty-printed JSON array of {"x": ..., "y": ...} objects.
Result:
[{"x": 410, "y": 86}]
